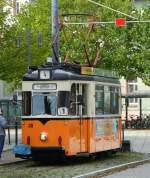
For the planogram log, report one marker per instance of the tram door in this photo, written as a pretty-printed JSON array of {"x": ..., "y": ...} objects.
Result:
[
  {"x": 78, "y": 107},
  {"x": 81, "y": 111}
]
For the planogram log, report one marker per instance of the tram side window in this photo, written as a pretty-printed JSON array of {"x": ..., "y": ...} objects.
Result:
[
  {"x": 73, "y": 106},
  {"x": 77, "y": 98},
  {"x": 99, "y": 100},
  {"x": 84, "y": 95},
  {"x": 107, "y": 100},
  {"x": 114, "y": 100},
  {"x": 26, "y": 103}
]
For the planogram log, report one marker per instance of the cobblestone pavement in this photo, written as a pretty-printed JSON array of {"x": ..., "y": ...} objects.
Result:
[{"x": 8, "y": 157}]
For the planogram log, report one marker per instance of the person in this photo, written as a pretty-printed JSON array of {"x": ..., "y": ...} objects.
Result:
[{"x": 3, "y": 125}]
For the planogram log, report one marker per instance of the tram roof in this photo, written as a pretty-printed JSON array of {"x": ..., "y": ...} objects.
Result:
[{"x": 65, "y": 71}]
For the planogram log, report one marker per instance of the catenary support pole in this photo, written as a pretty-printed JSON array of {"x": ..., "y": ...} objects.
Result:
[{"x": 55, "y": 31}]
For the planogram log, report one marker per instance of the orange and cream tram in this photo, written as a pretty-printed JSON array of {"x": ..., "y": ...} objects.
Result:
[{"x": 69, "y": 110}]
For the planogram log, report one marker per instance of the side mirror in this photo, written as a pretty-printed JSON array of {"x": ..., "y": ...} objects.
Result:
[{"x": 80, "y": 100}]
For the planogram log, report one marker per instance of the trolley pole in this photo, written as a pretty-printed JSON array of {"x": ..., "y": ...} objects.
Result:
[
  {"x": 55, "y": 31},
  {"x": 29, "y": 48}
]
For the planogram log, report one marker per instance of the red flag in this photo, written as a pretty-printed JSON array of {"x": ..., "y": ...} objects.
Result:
[{"x": 120, "y": 22}]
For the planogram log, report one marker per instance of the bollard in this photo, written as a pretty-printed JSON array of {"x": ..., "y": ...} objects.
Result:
[
  {"x": 123, "y": 127},
  {"x": 9, "y": 134},
  {"x": 16, "y": 132}
]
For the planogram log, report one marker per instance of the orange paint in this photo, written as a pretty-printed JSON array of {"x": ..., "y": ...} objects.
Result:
[{"x": 75, "y": 136}]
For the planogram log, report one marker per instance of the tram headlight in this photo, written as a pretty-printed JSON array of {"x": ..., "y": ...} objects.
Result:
[{"x": 43, "y": 136}]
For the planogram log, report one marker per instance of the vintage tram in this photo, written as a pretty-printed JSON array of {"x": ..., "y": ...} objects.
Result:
[{"x": 69, "y": 110}]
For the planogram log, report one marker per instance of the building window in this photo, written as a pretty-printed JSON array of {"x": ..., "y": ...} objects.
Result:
[
  {"x": 132, "y": 88},
  {"x": 140, "y": 3},
  {"x": 17, "y": 7}
]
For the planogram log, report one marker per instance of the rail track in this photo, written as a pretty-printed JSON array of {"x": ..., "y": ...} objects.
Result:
[{"x": 68, "y": 167}]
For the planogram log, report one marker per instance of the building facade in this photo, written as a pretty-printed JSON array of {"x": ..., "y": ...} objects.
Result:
[
  {"x": 135, "y": 86},
  {"x": 140, "y": 3}
]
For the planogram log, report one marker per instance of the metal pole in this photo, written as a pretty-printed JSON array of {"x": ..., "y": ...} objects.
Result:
[
  {"x": 126, "y": 105},
  {"x": 16, "y": 131},
  {"x": 8, "y": 104},
  {"x": 55, "y": 30},
  {"x": 29, "y": 48},
  {"x": 140, "y": 108}
]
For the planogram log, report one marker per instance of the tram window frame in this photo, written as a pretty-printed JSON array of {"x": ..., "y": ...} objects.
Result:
[
  {"x": 99, "y": 89},
  {"x": 107, "y": 100},
  {"x": 114, "y": 99},
  {"x": 45, "y": 102},
  {"x": 75, "y": 102},
  {"x": 63, "y": 102},
  {"x": 26, "y": 103}
]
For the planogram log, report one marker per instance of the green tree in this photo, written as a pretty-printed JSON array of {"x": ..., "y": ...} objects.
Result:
[{"x": 126, "y": 49}]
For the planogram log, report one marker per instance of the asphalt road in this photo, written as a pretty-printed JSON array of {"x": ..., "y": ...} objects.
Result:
[
  {"x": 142, "y": 171},
  {"x": 140, "y": 142}
]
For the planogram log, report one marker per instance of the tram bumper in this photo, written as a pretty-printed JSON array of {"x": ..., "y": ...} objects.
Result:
[
  {"x": 27, "y": 151},
  {"x": 45, "y": 152}
]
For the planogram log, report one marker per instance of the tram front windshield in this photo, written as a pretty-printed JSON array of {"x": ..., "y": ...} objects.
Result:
[{"x": 44, "y": 103}]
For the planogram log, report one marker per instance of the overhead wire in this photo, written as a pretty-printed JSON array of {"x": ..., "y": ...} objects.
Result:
[
  {"x": 99, "y": 4},
  {"x": 106, "y": 22}
]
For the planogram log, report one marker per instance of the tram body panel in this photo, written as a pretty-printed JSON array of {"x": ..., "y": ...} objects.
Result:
[
  {"x": 71, "y": 111},
  {"x": 73, "y": 134},
  {"x": 102, "y": 139},
  {"x": 107, "y": 134}
]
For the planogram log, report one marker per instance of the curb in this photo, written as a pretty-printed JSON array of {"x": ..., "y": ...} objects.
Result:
[
  {"x": 7, "y": 149},
  {"x": 111, "y": 169},
  {"x": 10, "y": 163}
]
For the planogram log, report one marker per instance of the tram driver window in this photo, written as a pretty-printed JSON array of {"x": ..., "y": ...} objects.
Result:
[{"x": 44, "y": 103}]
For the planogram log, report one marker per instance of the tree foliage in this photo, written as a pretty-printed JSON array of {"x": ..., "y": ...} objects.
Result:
[{"x": 126, "y": 49}]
